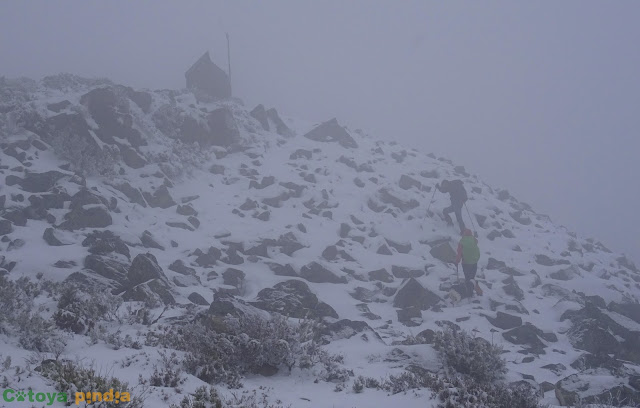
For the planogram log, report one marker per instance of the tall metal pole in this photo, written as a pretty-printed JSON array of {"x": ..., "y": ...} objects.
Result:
[{"x": 229, "y": 57}]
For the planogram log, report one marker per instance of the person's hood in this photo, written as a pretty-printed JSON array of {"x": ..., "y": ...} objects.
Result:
[{"x": 467, "y": 233}]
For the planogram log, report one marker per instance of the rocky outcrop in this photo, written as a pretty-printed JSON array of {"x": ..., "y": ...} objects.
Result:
[{"x": 293, "y": 298}]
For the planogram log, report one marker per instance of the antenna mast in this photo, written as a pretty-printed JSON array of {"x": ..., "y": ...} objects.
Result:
[{"x": 229, "y": 58}]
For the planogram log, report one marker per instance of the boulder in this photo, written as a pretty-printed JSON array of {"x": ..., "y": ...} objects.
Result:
[
  {"x": 331, "y": 131},
  {"x": 40, "y": 182},
  {"x": 110, "y": 110},
  {"x": 197, "y": 299},
  {"x": 145, "y": 268},
  {"x": 403, "y": 205},
  {"x": 133, "y": 194},
  {"x": 161, "y": 198},
  {"x": 6, "y": 227},
  {"x": 526, "y": 334},
  {"x": 179, "y": 267},
  {"x": 505, "y": 321},
  {"x": 51, "y": 239},
  {"x": 282, "y": 270},
  {"x": 104, "y": 243},
  {"x": 293, "y": 298},
  {"x": 131, "y": 158},
  {"x": 148, "y": 241},
  {"x": 402, "y": 272},
  {"x": 316, "y": 273},
  {"x": 345, "y": 329},
  {"x": 381, "y": 275},
  {"x": 233, "y": 277},
  {"x": 87, "y": 217},
  {"x": 412, "y": 294},
  {"x": 444, "y": 253}
]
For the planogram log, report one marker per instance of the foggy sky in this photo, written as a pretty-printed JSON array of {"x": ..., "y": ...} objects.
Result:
[{"x": 540, "y": 98}]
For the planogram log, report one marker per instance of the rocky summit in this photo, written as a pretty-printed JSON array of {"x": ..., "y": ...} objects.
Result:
[{"x": 166, "y": 242}]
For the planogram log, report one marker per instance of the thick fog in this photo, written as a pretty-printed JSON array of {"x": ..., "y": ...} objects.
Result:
[{"x": 540, "y": 98}]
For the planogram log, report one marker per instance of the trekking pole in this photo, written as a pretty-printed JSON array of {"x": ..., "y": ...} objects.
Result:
[
  {"x": 457, "y": 274},
  {"x": 468, "y": 213},
  {"x": 430, "y": 202}
]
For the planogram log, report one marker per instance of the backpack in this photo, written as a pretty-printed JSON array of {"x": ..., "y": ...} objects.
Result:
[{"x": 470, "y": 250}]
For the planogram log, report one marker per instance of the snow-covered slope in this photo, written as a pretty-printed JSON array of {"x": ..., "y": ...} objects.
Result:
[{"x": 209, "y": 204}]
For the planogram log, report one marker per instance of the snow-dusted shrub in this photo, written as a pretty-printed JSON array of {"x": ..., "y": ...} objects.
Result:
[
  {"x": 21, "y": 317},
  {"x": 169, "y": 372},
  {"x": 250, "y": 344},
  {"x": 467, "y": 355},
  {"x": 70, "y": 377},
  {"x": 80, "y": 310},
  {"x": 358, "y": 385},
  {"x": 456, "y": 392},
  {"x": 202, "y": 398}
]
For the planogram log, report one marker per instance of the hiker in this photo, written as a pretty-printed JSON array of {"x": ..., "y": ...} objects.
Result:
[
  {"x": 458, "y": 196},
  {"x": 469, "y": 253}
]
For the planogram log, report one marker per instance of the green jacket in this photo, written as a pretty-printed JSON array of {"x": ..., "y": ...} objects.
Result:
[{"x": 468, "y": 250}]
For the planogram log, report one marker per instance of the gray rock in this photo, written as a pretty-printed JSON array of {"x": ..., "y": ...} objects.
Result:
[
  {"x": 145, "y": 268},
  {"x": 233, "y": 277},
  {"x": 282, "y": 270},
  {"x": 345, "y": 329},
  {"x": 148, "y": 241},
  {"x": 40, "y": 182},
  {"x": 111, "y": 113},
  {"x": 444, "y": 253},
  {"x": 412, "y": 294},
  {"x": 179, "y": 267},
  {"x": 6, "y": 227},
  {"x": 197, "y": 299},
  {"x": 331, "y": 131},
  {"x": 133, "y": 194},
  {"x": 316, "y": 273},
  {"x": 104, "y": 243},
  {"x": 403, "y": 248},
  {"x": 51, "y": 239},
  {"x": 402, "y": 272},
  {"x": 381, "y": 275},
  {"x": 186, "y": 210},
  {"x": 300, "y": 153},
  {"x": 403, "y": 205},
  {"x": 92, "y": 217},
  {"x": 526, "y": 334},
  {"x": 107, "y": 267},
  {"x": 131, "y": 158},
  {"x": 161, "y": 198},
  {"x": 505, "y": 321},
  {"x": 407, "y": 182},
  {"x": 293, "y": 298},
  {"x": 180, "y": 225},
  {"x": 410, "y": 317}
]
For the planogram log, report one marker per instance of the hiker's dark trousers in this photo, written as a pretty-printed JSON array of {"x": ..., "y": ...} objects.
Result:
[
  {"x": 457, "y": 208},
  {"x": 469, "y": 273}
]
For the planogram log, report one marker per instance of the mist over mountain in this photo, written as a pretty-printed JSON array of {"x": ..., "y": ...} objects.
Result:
[{"x": 155, "y": 242}]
